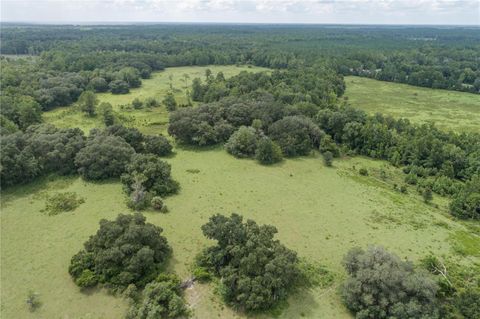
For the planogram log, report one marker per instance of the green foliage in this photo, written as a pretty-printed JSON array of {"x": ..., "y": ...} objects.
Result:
[
  {"x": 295, "y": 135},
  {"x": 169, "y": 102},
  {"x": 103, "y": 157},
  {"x": 268, "y": 152},
  {"x": 62, "y": 202},
  {"x": 201, "y": 274},
  {"x": 161, "y": 299},
  {"x": 427, "y": 195},
  {"x": 88, "y": 102},
  {"x": 157, "y": 202},
  {"x": 154, "y": 172},
  {"x": 243, "y": 142},
  {"x": 466, "y": 203},
  {"x": 363, "y": 171},
  {"x": 256, "y": 270},
  {"x": 137, "y": 104},
  {"x": 157, "y": 145},
  {"x": 106, "y": 111},
  {"x": 131, "y": 135},
  {"x": 119, "y": 87},
  {"x": 328, "y": 158},
  {"x": 124, "y": 251},
  {"x": 151, "y": 102},
  {"x": 33, "y": 301},
  {"x": 380, "y": 285}
]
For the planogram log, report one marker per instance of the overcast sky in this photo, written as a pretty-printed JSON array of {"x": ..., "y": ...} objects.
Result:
[{"x": 249, "y": 11}]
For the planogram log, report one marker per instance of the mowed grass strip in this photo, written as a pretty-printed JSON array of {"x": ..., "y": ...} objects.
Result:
[{"x": 449, "y": 110}]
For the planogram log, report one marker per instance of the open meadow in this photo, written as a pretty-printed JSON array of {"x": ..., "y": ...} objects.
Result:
[
  {"x": 320, "y": 212},
  {"x": 449, "y": 110},
  {"x": 149, "y": 121}
]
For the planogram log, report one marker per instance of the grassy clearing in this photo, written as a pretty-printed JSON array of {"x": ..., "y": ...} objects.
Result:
[
  {"x": 320, "y": 212},
  {"x": 147, "y": 120},
  {"x": 450, "y": 110}
]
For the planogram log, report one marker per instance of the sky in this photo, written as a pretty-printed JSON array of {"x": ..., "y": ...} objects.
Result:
[{"x": 450, "y": 12}]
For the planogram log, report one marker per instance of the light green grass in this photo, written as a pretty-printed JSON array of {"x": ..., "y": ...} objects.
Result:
[
  {"x": 147, "y": 120},
  {"x": 449, "y": 110},
  {"x": 319, "y": 212}
]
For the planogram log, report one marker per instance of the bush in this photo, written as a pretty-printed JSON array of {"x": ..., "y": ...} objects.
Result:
[
  {"x": 427, "y": 195},
  {"x": 119, "y": 87},
  {"x": 154, "y": 172},
  {"x": 296, "y": 135},
  {"x": 169, "y": 102},
  {"x": 139, "y": 198},
  {"x": 328, "y": 158},
  {"x": 86, "y": 279},
  {"x": 380, "y": 285},
  {"x": 103, "y": 157},
  {"x": 157, "y": 203},
  {"x": 158, "y": 145},
  {"x": 268, "y": 152},
  {"x": 122, "y": 252},
  {"x": 256, "y": 270},
  {"x": 363, "y": 171},
  {"x": 62, "y": 202},
  {"x": 137, "y": 104},
  {"x": 328, "y": 145},
  {"x": 161, "y": 298},
  {"x": 33, "y": 301},
  {"x": 466, "y": 203},
  {"x": 201, "y": 274},
  {"x": 131, "y": 135},
  {"x": 151, "y": 102},
  {"x": 243, "y": 142}
]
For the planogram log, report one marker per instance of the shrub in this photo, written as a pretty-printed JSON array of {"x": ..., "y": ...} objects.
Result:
[
  {"x": 155, "y": 174},
  {"x": 380, "y": 285},
  {"x": 88, "y": 102},
  {"x": 131, "y": 135},
  {"x": 137, "y": 104},
  {"x": 243, "y": 142},
  {"x": 158, "y": 145},
  {"x": 106, "y": 111},
  {"x": 161, "y": 298},
  {"x": 62, "y": 202},
  {"x": 169, "y": 102},
  {"x": 296, "y": 135},
  {"x": 157, "y": 203},
  {"x": 103, "y": 157},
  {"x": 151, "y": 102},
  {"x": 427, "y": 195},
  {"x": 139, "y": 198},
  {"x": 201, "y": 274},
  {"x": 268, "y": 152},
  {"x": 119, "y": 87},
  {"x": 328, "y": 158},
  {"x": 256, "y": 270},
  {"x": 466, "y": 203},
  {"x": 363, "y": 171},
  {"x": 86, "y": 279},
  {"x": 122, "y": 252},
  {"x": 33, "y": 301},
  {"x": 328, "y": 145}
]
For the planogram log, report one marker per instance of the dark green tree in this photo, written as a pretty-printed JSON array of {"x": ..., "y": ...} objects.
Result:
[
  {"x": 122, "y": 252},
  {"x": 268, "y": 152},
  {"x": 88, "y": 102},
  {"x": 256, "y": 270}
]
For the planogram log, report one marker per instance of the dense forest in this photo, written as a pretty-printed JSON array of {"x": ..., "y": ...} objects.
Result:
[{"x": 294, "y": 110}]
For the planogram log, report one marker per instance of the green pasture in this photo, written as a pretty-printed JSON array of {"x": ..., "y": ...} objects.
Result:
[{"x": 449, "y": 110}]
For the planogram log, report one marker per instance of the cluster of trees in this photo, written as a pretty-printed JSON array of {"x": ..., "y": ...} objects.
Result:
[
  {"x": 256, "y": 270},
  {"x": 44, "y": 149},
  {"x": 381, "y": 285},
  {"x": 122, "y": 252}
]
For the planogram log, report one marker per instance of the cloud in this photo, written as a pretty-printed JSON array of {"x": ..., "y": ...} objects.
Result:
[{"x": 268, "y": 11}]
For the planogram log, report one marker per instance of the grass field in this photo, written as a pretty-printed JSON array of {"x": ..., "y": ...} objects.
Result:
[
  {"x": 148, "y": 120},
  {"x": 320, "y": 212},
  {"x": 450, "y": 110}
]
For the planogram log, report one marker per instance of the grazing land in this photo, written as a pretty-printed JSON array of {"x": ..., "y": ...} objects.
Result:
[
  {"x": 151, "y": 121},
  {"x": 320, "y": 212},
  {"x": 449, "y": 110}
]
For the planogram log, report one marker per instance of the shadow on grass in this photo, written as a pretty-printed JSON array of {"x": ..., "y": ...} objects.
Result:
[{"x": 38, "y": 187}]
